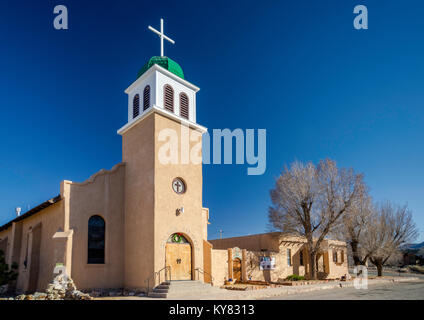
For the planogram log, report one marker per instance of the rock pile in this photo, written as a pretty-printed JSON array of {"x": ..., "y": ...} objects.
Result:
[{"x": 61, "y": 288}]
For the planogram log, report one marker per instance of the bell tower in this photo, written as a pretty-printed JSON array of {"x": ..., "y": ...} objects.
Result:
[{"x": 163, "y": 199}]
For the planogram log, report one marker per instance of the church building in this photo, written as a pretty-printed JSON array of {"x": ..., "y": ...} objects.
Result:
[{"x": 141, "y": 222}]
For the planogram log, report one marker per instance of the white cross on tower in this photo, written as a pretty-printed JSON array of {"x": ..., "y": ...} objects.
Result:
[{"x": 161, "y": 36}]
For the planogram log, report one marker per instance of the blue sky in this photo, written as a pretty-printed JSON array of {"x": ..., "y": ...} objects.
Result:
[{"x": 295, "y": 68}]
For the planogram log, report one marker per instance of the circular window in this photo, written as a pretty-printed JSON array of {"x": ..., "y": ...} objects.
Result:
[{"x": 178, "y": 185}]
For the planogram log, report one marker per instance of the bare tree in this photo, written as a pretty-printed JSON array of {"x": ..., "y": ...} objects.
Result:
[
  {"x": 310, "y": 201},
  {"x": 354, "y": 227},
  {"x": 390, "y": 227}
]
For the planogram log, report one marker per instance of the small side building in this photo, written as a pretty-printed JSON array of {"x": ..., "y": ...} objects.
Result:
[{"x": 271, "y": 257}]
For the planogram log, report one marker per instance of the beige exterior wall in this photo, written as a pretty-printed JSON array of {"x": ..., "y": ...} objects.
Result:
[
  {"x": 340, "y": 268},
  {"x": 205, "y": 223},
  {"x": 256, "y": 242},
  {"x": 50, "y": 220},
  {"x": 102, "y": 195},
  {"x": 282, "y": 268},
  {"x": 138, "y": 153},
  {"x": 219, "y": 266},
  {"x": 191, "y": 222},
  {"x": 151, "y": 204}
]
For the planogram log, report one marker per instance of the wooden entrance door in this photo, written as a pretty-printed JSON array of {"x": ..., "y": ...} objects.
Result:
[
  {"x": 237, "y": 270},
  {"x": 178, "y": 257}
]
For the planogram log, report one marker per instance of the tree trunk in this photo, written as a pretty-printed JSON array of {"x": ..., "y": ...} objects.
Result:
[
  {"x": 379, "y": 266},
  {"x": 356, "y": 260},
  {"x": 359, "y": 262},
  {"x": 312, "y": 268}
]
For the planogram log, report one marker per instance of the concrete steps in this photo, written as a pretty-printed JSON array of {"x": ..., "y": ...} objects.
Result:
[{"x": 183, "y": 289}]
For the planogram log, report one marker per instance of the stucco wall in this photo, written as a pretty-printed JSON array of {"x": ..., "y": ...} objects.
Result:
[
  {"x": 103, "y": 195},
  {"x": 191, "y": 222},
  {"x": 138, "y": 153},
  {"x": 219, "y": 266},
  {"x": 205, "y": 212},
  {"x": 151, "y": 204},
  {"x": 282, "y": 268},
  {"x": 340, "y": 268},
  {"x": 253, "y": 271},
  {"x": 256, "y": 242},
  {"x": 51, "y": 220}
]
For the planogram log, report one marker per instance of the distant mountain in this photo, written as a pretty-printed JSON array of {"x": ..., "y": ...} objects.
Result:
[
  {"x": 417, "y": 246},
  {"x": 413, "y": 246}
]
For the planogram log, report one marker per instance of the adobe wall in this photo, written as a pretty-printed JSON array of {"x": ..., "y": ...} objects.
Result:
[
  {"x": 138, "y": 154},
  {"x": 102, "y": 195},
  {"x": 219, "y": 266},
  {"x": 191, "y": 222},
  {"x": 50, "y": 220},
  {"x": 257, "y": 242},
  {"x": 205, "y": 223},
  {"x": 341, "y": 267}
]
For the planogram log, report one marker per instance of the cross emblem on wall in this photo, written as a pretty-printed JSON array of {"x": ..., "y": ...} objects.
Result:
[{"x": 178, "y": 186}]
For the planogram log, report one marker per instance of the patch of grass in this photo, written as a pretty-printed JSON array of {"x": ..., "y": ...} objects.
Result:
[{"x": 295, "y": 277}]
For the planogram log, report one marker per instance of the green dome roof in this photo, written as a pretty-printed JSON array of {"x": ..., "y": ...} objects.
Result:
[{"x": 164, "y": 62}]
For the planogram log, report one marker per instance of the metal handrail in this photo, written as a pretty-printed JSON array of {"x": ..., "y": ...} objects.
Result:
[
  {"x": 157, "y": 273},
  {"x": 204, "y": 272}
]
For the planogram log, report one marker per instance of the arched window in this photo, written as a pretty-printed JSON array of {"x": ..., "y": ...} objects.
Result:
[
  {"x": 184, "y": 105},
  {"x": 136, "y": 105},
  {"x": 146, "y": 98},
  {"x": 168, "y": 98},
  {"x": 96, "y": 240}
]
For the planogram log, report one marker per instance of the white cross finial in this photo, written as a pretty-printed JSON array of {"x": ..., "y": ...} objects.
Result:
[{"x": 161, "y": 36}]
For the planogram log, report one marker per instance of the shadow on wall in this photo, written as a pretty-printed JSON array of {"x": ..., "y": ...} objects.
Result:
[
  {"x": 3, "y": 246},
  {"x": 252, "y": 265},
  {"x": 253, "y": 271},
  {"x": 296, "y": 262}
]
